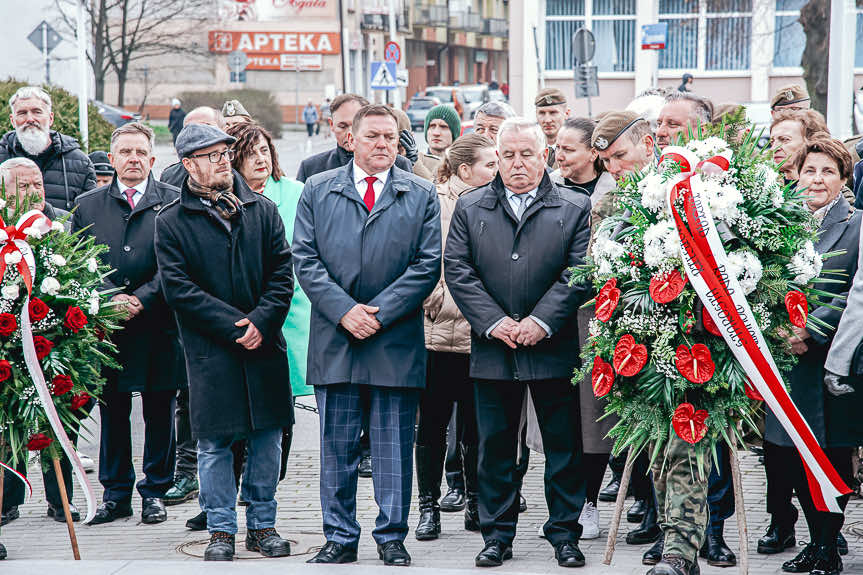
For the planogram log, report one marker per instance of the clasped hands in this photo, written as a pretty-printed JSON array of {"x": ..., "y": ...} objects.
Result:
[
  {"x": 797, "y": 339},
  {"x": 514, "y": 333},
  {"x": 132, "y": 304},
  {"x": 360, "y": 321}
]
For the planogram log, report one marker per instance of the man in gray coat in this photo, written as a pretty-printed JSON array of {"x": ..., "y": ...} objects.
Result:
[
  {"x": 508, "y": 254},
  {"x": 367, "y": 249}
]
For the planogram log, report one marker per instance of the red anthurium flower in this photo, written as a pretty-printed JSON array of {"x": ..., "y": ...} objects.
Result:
[
  {"x": 602, "y": 377},
  {"x": 629, "y": 357},
  {"x": 665, "y": 287},
  {"x": 606, "y": 300},
  {"x": 709, "y": 324},
  {"x": 694, "y": 364},
  {"x": 38, "y": 442},
  {"x": 61, "y": 384},
  {"x": 798, "y": 309},
  {"x": 689, "y": 424},
  {"x": 751, "y": 392}
]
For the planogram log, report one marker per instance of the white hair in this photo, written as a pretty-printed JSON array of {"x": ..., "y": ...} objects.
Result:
[
  {"x": 12, "y": 163},
  {"x": 521, "y": 124},
  {"x": 30, "y": 92}
]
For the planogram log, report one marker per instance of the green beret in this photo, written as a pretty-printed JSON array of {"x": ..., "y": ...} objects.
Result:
[
  {"x": 791, "y": 94},
  {"x": 611, "y": 126},
  {"x": 549, "y": 97}
]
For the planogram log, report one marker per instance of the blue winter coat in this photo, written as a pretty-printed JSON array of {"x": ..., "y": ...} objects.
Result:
[{"x": 389, "y": 258}]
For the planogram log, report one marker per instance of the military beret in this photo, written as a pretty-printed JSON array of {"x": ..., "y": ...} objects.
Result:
[
  {"x": 233, "y": 108},
  {"x": 549, "y": 97},
  {"x": 196, "y": 137},
  {"x": 611, "y": 126},
  {"x": 791, "y": 94}
]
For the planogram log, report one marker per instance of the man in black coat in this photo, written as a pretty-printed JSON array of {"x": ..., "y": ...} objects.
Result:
[
  {"x": 510, "y": 247},
  {"x": 66, "y": 170},
  {"x": 225, "y": 267},
  {"x": 175, "y": 118},
  {"x": 122, "y": 216}
]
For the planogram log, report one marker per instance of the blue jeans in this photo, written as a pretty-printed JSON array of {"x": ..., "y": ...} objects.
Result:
[{"x": 218, "y": 495}]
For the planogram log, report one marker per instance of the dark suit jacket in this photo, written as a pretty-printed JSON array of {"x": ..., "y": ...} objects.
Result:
[
  {"x": 148, "y": 347},
  {"x": 332, "y": 159},
  {"x": 496, "y": 266}
]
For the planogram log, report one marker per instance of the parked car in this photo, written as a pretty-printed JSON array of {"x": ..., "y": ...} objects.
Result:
[
  {"x": 474, "y": 96},
  {"x": 496, "y": 96},
  {"x": 444, "y": 94},
  {"x": 417, "y": 110},
  {"x": 116, "y": 116}
]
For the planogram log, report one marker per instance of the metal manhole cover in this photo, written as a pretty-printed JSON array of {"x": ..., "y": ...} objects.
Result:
[{"x": 302, "y": 543}]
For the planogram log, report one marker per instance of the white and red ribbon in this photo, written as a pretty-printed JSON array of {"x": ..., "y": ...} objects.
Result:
[
  {"x": 14, "y": 239},
  {"x": 706, "y": 265}
]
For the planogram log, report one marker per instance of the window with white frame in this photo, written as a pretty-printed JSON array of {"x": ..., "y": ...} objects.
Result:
[
  {"x": 612, "y": 23},
  {"x": 706, "y": 35},
  {"x": 789, "y": 40},
  {"x": 858, "y": 46}
]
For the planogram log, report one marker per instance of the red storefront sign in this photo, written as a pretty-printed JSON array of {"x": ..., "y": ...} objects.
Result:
[
  {"x": 285, "y": 62},
  {"x": 225, "y": 41}
]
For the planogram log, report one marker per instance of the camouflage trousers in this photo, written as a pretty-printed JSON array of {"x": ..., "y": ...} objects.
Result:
[{"x": 681, "y": 498}]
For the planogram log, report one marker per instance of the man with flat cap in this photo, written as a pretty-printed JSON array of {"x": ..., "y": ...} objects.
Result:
[
  {"x": 226, "y": 271},
  {"x": 235, "y": 113},
  {"x": 791, "y": 97},
  {"x": 551, "y": 111}
]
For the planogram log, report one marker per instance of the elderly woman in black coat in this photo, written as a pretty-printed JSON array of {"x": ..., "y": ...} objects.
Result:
[{"x": 823, "y": 165}]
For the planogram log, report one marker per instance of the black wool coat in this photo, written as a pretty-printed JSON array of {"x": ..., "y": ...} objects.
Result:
[
  {"x": 212, "y": 278},
  {"x": 835, "y": 421},
  {"x": 496, "y": 266},
  {"x": 335, "y": 158},
  {"x": 67, "y": 171},
  {"x": 148, "y": 345},
  {"x": 174, "y": 175}
]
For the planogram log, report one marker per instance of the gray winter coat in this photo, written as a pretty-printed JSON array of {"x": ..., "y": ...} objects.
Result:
[{"x": 389, "y": 258}]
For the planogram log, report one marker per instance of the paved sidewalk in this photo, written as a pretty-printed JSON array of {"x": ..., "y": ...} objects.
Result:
[{"x": 129, "y": 547}]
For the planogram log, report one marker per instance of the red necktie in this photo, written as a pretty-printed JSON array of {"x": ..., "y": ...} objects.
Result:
[
  {"x": 369, "y": 197},
  {"x": 130, "y": 193}
]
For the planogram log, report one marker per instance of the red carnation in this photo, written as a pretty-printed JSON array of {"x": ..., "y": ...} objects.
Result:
[
  {"x": 43, "y": 346},
  {"x": 5, "y": 370},
  {"x": 62, "y": 383},
  {"x": 75, "y": 319},
  {"x": 38, "y": 309},
  {"x": 8, "y": 324},
  {"x": 38, "y": 442},
  {"x": 79, "y": 400}
]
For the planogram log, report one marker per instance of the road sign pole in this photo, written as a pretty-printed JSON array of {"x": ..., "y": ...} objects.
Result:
[
  {"x": 45, "y": 52},
  {"x": 397, "y": 93},
  {"x": 589, "y": 106}
]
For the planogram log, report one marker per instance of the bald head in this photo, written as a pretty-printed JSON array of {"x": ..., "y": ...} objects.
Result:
[{"x": 205, "y": 115}]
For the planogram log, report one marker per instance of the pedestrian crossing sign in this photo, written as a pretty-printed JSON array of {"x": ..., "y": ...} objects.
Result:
[{"x": 384, "y": 76}]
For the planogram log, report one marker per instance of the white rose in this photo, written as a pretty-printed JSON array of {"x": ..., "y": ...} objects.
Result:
[
  {"x": 10, "y": 292},
  {"x": 33, "y": 232},
  {"x": 50, "y": 286},
  {"x": 2, "y": 204},
  {"x": 58, "y": 260},
  {"x": 12, "y": 258},
  {"x": 57, "y": 227},
  {"x": 94, "y": 305},
  {"x": 92, "y": 265}
]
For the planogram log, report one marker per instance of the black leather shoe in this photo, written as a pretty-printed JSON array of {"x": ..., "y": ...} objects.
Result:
[
  {"x": 841, "y": 544},
  {"x": 198, "y": 522},
  {"x": 453, "y": 501},
  {"x": 717, "y": 552},
  {"x": 568, "y": 554},
  {"x": 522, "y": 503},
  {"x": 2, "y": 552},
  {"x": 803, "y": 563},
  {"x": 108, "y": 511},
  {"x": 471, "y": 511},
  {"x": 777, "y": 539},
  {"x": 654, "y": 555},
  {"x": 10, "y": 514},
  {"x": 637, "y": 511},
  {"x": 334, "y": 552},
  {"x": 648, "y": 531},
  {"x": 365, "y": 466},
  {"x": 267, "y": 542},
  {"x": 153, "y": 510},
  {"x": 609, "y": 492},
  {"x": 675, "y": 565},
  {"x": 394, "y": 554},
  {"x": 493, "y": 554},
  {"x": 428, "y": 527},
  {"x": 221, "y": 547},
  {"x": 827, "y": 561},
  {"x": 57, "y": 513}
]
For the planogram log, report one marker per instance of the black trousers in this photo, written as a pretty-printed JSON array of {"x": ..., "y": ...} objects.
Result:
[
  {"x": 641, "y": 481},
  {"x": 498, "y": 406},
  {"x": 448, "y": 385},
  {"x": 453, "y": 463},
  {"x": 187, "y": 448},
  {"x": 594, "y": 465},
  {"x": 720, "y": 490},
  {"x": 116, "y": 473},
  {"x": 786, "y": 475}
]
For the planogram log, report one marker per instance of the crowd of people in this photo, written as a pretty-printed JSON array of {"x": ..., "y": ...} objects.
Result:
[{"x": 424, "y": 299}]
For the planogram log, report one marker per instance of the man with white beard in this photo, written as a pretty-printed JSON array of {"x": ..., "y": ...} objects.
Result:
[{"x": 66, "y": 170}]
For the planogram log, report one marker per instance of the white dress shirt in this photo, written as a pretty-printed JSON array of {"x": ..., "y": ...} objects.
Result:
[
  {"x": 361, "y": 185},
  {"x": 139, "y": 190}
]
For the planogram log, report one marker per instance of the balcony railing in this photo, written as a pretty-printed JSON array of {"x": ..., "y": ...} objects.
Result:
[
  {"x": 496, "y": 27},
  {"x": 382, "y": 21},
  {"x": 433, "y": 15},
  {"x": 467, "y": 21}
]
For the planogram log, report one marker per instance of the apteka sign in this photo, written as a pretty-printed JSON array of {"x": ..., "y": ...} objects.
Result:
[{"x": 224, "y": 41}]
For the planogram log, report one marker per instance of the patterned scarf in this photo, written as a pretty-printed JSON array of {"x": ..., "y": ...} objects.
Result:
[{"x": 223, "y": 201}]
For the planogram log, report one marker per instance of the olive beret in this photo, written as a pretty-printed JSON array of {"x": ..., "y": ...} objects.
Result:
[
  {"x": 791, "y": 94},
  {"x": 611, "y": 126},
  {"x": 549, "y": 97}
]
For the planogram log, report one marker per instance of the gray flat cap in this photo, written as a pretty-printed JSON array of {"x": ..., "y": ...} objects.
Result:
[{"x": 196, "y": 137}]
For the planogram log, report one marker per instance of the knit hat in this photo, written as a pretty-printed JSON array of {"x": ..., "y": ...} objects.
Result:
[{"x": 447, "y": 114}]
